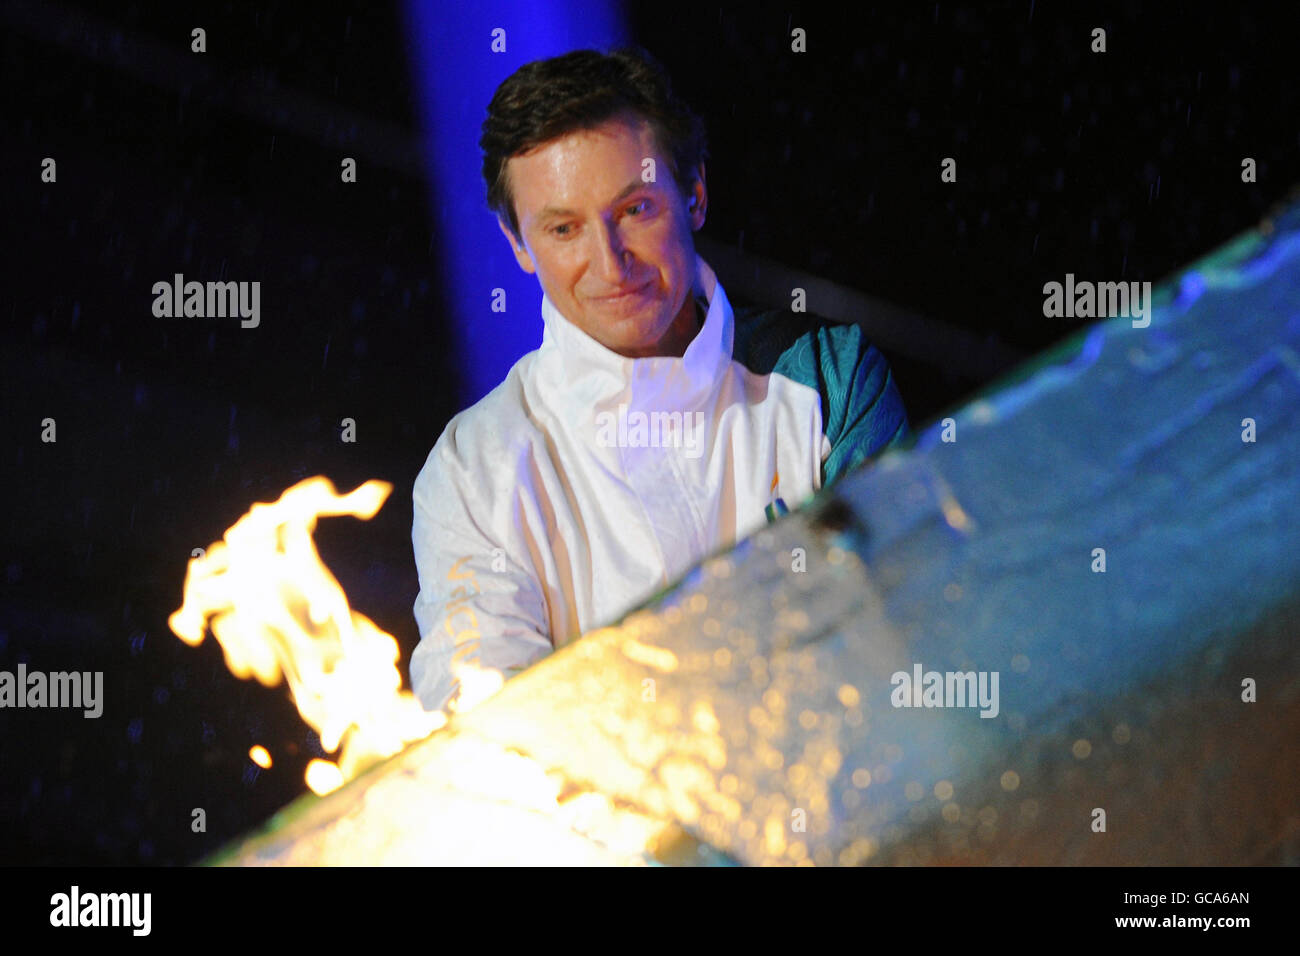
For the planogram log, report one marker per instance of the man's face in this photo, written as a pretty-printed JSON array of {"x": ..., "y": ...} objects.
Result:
[{"x": 613, "y": 253}]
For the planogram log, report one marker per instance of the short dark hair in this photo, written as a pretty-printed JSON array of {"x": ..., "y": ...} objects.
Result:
[{"x": 546, "y": 99}]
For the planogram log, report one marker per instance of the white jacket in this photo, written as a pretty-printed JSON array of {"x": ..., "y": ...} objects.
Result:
[{"x": 586, "y": 482}]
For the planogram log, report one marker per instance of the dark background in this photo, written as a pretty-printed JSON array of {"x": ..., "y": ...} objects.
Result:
[{"x": 1117, "y": 166}]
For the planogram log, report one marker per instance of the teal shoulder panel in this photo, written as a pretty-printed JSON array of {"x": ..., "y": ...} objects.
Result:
[{"x": 862, "y": 410}]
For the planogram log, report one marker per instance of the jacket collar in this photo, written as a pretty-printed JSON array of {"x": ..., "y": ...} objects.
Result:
[{"x": 585, "y": 373}]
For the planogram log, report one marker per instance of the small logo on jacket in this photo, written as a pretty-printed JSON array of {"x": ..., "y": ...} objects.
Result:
[{"x": 777, "y": 507}]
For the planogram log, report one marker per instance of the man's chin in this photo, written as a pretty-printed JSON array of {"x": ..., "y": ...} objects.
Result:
[
  {"x": 632, "y": 336},
  {"x": 634, "y": 348}
]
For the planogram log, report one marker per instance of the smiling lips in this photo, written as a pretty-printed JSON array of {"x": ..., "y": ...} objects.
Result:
[{"x": 619, "y": 296}]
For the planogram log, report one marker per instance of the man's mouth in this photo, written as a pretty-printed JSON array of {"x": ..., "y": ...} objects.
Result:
[{"x": 620, "y": 296}]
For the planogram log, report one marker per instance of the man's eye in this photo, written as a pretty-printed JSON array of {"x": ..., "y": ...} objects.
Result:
[
  {"x": 560, "y": 230},
  {"x": 638, "y": 206}
]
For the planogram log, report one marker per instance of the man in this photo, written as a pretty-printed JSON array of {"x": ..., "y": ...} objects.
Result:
[{"x": 653, "y": 426}]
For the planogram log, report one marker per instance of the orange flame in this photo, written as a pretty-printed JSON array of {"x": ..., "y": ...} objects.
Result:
[{"x": 278, "y": 612}]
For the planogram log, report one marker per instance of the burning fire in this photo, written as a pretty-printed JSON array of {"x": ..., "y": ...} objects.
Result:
[{"x": 279, "y": 613}]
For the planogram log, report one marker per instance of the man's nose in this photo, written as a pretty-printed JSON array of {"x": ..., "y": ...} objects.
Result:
[{"x": 611, "y": 255}]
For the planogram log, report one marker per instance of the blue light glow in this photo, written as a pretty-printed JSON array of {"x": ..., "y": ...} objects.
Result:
[{"x": 455, "y": 72}]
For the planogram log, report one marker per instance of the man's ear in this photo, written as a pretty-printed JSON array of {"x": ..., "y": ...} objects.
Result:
[
  {"x": 697, "y": 200},
  {"x": 517, "y": 247}
]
